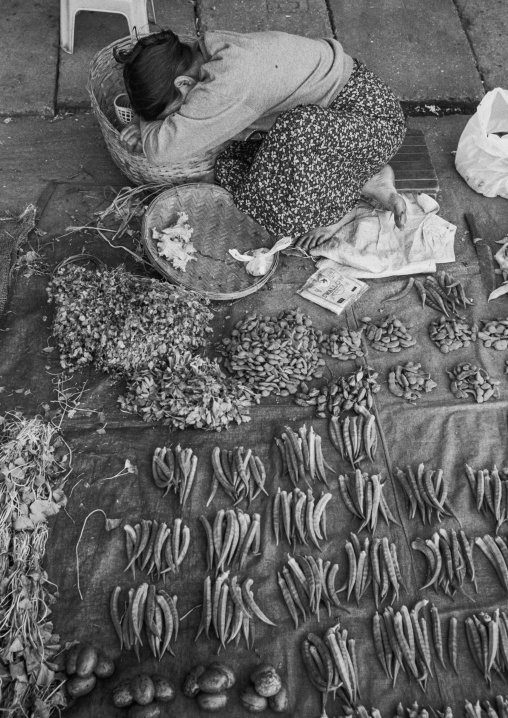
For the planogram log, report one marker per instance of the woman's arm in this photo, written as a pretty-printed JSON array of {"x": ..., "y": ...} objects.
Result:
[
  {"x": 130, "y": 137},
  {"x": 205, "y": 121}
]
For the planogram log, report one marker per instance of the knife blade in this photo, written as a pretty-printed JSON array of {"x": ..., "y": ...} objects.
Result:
[{"x": 484, "y": 254}]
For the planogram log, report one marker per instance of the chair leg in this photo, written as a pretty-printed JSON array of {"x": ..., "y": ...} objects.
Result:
[
  {"x": 139, "y": 18},
  {"x": 67, "y": 18}
]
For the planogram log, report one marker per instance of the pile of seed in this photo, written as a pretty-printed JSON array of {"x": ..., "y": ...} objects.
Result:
[
  {"x": 342, "y": 344},
  {"x": 494, "y": 333},
  {"x": 409, "y": 381},
  {"x": 469, "y": 379},
  {"x": 273, "y": 355},
  {"x": 191, "y": 392},
  {"x": 389, "y": 336},
  {"x": 347, "y": 392},
  {"x": 451, "y": 334}
]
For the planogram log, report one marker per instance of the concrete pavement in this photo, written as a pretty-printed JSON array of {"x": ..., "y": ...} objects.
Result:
[{"x": 437, "y": 51}]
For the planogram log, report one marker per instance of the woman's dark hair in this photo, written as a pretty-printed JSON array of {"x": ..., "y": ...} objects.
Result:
[{"x": 150, "y": 70}]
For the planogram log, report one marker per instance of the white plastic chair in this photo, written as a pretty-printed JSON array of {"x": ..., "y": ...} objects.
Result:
[{"x": 134, "y": 10}]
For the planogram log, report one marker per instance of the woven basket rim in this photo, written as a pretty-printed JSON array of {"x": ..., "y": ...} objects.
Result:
[
  {"x": 159, "y": 263},
  {"x": 105, "y": 82}
]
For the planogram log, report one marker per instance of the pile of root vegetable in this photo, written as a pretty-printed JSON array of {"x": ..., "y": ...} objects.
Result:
[
  {"x": 148, "y": 332},
  {"x": 34, "y": 462}
]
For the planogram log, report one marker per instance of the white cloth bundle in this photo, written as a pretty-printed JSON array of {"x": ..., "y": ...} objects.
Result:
[
  {"x": 259, "y": 261},
  {"x": 369, "y": 245}
]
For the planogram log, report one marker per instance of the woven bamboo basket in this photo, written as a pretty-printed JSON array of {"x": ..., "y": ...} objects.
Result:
[
  {"x": 105, "y": 82},
  {"x": 218, "y": 226}
]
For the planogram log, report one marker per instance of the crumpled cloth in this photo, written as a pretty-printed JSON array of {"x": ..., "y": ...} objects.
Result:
[{"x": 369, "y": 245}]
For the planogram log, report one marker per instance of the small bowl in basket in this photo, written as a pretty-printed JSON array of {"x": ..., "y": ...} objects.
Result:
[
  {"x": 218, "y": 227},
  {"x": 123, "y": 108}
]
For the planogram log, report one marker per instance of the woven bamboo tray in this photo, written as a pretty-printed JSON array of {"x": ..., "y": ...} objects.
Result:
[
  {"x": 105, "y": 82},
  {"x": 218, "y": 227}
]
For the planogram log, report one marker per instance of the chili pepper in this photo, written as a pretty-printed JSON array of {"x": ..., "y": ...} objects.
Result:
[
  {"x": 137, "y": 610},
  {"x": 403, "y": 293},
  {"x": 331, "y": 641},
  {"x": 299, "y": 506},
  {"x": 206, "y": 609},
  {"x": 115, "y": 614},
  {"x": 249, "y": 600},
  {"x": 335, "y": 435},
  {"x": 288, "y": 599},
  {"x": 388, "y": 561},
  {"x": 251, "y": 535}
]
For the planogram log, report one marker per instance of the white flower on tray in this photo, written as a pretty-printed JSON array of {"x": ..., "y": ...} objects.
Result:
[{"x": 173, "y": 243}]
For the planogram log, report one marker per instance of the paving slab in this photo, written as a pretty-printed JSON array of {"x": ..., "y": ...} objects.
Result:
[
  {"x": 95, "y": 30},
  {"x": 35, "y": 150},
  {"x": 302, "y": 17},
  {"x": 486, "y": 25},
  {"x": 28, "y": 56},
  {"x": 419, "y": 48}
]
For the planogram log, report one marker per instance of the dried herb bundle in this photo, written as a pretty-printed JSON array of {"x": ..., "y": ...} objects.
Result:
[
  {"x": 121, "y": 322},
  {"x": 149, "y": 332}
]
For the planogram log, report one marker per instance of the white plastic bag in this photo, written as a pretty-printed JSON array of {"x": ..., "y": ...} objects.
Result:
[{"x": 482, "y": 155}]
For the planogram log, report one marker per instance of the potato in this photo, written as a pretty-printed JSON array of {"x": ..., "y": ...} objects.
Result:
[
  {"x": 225, "y": 669},
  {"x": 105, "y": 666},
  {"x": 143, "y": 689},
  {"x": 279, "y": 703},
  {"x": 213, "y": 681},
  {"x": 211, "y": 703},
  {"x": 164, "y": 689},
  {"x": 190, "y": 687},
  {"x": 77, "y": 686},
  {"x": 71, "y": 658},
  {"x": 266, "y": 680},
  {"x": 86, "y": 661},
  {"x": 122, "y": 695},
  {"x": 150, "y": 711},
  {"x": 252, "y": 700}
]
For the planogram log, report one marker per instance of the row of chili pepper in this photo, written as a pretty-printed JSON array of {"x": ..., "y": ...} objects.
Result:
[
  {"x": 449, "y": 557},
  {"x": 402, "y": 641},
  {"x": 155, "y": 547},
  {"x": 231, "y": 537},
  {"x": 302, "y": 517},
  {"x": 301, "y": 456},
  {"x": 229, "y": 608},
  {"x": 490, "y": 490},
  {"x": 427, "y": 492},
  {"x": 332, "y": 666},
  {"x": 174, "y": 470},
  {"x": 149, "y": 608},
  {"x": 355, "y": 438},
  {"x": 363, "y": 497},
  {"x": 239, "y": 472}
]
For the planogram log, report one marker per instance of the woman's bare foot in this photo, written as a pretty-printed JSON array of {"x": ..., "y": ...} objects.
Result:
[{"x": 381, "y": 188}]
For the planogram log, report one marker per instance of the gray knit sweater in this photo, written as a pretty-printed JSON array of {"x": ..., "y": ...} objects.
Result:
[{"x": 247, "y": 80}]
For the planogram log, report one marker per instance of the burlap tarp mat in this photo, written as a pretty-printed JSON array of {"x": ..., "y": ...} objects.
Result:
[{"x": 440, "y": 431}]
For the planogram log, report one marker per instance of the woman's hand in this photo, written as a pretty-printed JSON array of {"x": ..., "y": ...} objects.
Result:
[
  {"x": 130, "y": 138},
  {"x": 312, "y": 239}
]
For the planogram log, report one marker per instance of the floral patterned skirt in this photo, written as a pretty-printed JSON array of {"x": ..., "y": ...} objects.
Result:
[{"x": 309, "y": 169}]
